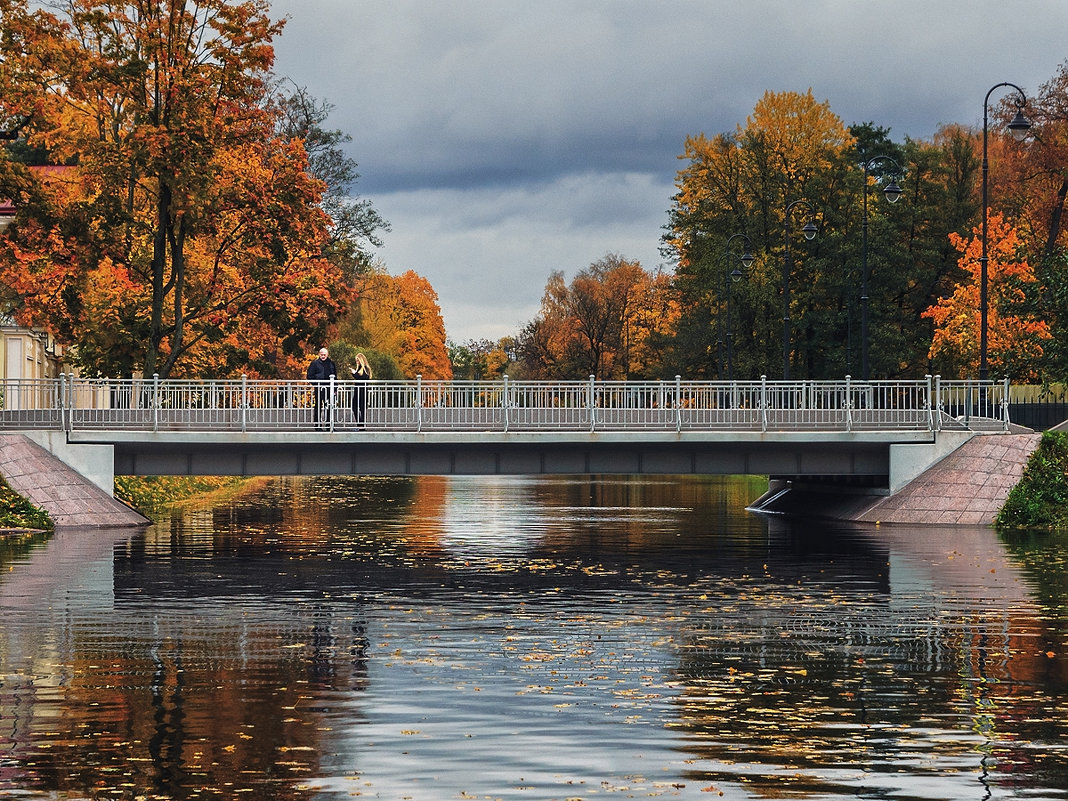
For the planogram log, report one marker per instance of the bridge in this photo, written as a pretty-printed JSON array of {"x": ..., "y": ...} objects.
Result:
[{"x": 873, "y": 435}]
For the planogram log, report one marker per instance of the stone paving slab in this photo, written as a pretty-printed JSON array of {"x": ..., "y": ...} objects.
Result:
[
  {"x": 48, "y": 483},
  {"x": 968, "y": 487}
]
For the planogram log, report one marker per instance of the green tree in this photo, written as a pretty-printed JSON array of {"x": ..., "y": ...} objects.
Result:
[
  {"x": 1031, "y": 180},
  {"x": 1040, "y": 499},
  {"x": 793, "y": 149},
  {"x": 480, "y": 359}
]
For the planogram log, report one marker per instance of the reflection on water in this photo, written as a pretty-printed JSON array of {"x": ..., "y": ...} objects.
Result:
[{"x": 515, "y": 638}]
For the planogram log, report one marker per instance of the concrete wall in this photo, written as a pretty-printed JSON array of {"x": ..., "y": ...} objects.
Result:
[
  {"x": 94, "y": 462},
  {"x": 909, "y": 461}
]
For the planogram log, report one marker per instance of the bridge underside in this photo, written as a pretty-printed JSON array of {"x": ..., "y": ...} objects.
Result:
[{"x": 845, "y": 460}]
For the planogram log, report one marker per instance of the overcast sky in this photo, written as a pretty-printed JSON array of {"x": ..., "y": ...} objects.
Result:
[{"x": 505, "y": 139}]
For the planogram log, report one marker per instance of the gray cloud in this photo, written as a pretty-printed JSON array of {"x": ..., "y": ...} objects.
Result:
[{"x": 506, "y": 139}]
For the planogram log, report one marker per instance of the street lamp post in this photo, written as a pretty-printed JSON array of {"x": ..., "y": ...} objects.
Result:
[
  {"x": 892, "y": 192},
  {"x": 1018, "y": 127},
  {"x": 746, "y": 259},
  {"x": 809, "y": 230}
]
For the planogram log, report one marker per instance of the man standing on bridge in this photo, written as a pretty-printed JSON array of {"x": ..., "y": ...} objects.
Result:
[{"x": 320, "y": 372}]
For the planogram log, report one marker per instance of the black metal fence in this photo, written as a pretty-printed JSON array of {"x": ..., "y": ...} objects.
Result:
[{"x": 1039, "y": 415}]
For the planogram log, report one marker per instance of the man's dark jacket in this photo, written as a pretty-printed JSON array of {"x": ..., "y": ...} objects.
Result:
[{"x": 322, "y": 369}]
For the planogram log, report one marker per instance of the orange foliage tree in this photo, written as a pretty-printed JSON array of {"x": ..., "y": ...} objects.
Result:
[
  {"x": 606, "y": 322},
  {"x": 400, "y": 316},
  {"x": 1014, "y": 336},
  {"x": 195, "y": 244}
]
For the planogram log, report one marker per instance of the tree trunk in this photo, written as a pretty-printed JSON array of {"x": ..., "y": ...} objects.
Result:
[
  {"x": 177, "y": 344},
  {"x": 1055, "y": 222},
  {"x": 159, "y": 272}
]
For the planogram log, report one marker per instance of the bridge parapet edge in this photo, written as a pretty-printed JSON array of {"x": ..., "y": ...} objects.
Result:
[{"x": 73, "y": 404}]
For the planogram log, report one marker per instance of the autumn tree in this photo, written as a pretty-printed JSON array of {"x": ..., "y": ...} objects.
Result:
[
  {"x": 1053, "y": 306},
  {"x": 481, "y": 359},
  {"x": 208, "y": 220},
  {"x": 1015, "y": 338},
  {"x": 1029, "y": 180},
  {"x": 795, "y": 149},
  {"x": 400, "y": 316},
  {"x": 791, "y": 148},
  {"x": 603, "y": 323}
]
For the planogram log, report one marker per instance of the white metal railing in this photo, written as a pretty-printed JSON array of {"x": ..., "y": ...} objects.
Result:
[{"x": 78, "y": 404}]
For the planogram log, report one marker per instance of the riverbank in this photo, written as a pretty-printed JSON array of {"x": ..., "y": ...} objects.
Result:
[
  {"x": 69, "y": 499},
  {"x": 1040, "y": 498},
  {"x": 968, "y": 487},
  {"x": 153, "y": 496},
  {"x": 18, "y": 515}
]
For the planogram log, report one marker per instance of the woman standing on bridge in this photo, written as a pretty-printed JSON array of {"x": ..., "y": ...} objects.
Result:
[{"x": 361, "y": 374}]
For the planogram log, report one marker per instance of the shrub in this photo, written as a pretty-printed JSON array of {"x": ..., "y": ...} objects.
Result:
[{"x": 1040, "y": 498}]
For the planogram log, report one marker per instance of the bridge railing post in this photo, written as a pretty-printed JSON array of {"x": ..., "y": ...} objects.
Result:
[
  {"x": 848, "y": 403},
  {"x": 331, "y": 403},
  {"x": 62, "y": 402},
  {"x": 504, "y": 401},
  {"x": 938, "y": 402},
  {"x": 929, "y": 403},
  {"x": 1005, "y": 403},
  {"x": 591, "y": 403},
  {"x": 763, "y": 403},
  {"x": 244, "y": 403},
  {"x": 155, "y": 402},
  {"x": 419, "y": 402},
  {"x": 678, "y": 403}
]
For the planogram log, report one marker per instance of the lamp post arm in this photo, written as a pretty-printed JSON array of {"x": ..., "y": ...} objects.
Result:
[
  {"x": 727, "y": 286},
  {"x": 732, "y": 237}
]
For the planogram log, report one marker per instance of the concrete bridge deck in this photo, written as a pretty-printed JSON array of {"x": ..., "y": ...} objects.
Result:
[{"x": 873, "y": 437}]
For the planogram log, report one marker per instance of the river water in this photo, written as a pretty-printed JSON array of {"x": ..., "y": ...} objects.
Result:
[{"x": 530, "y": 638}]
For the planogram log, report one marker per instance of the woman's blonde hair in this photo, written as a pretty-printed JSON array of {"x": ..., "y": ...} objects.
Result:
[{"x": 362, "y": 365}]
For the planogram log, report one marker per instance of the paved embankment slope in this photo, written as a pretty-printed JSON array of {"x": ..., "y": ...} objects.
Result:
[
  {"x": 967, "y": 487},
  {"x": 48, "y": 483}
]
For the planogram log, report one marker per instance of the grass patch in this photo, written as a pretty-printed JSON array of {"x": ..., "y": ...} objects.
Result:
[
  {"x": 17, "y": 512},
  {"x": 154, "y": 495},
  {"x": 1040, "y": 499}
]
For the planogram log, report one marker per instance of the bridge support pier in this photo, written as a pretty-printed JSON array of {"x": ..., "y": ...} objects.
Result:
[
  {"x": 909, "y": 461},
  {"x": 94, "y": 462}
]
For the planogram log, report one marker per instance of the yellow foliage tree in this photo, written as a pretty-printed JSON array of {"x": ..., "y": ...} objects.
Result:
[
  {"x": 787, "y": 142},
  {"x": 802, "y": 135},
  {"x": 400, "y": 316}
]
